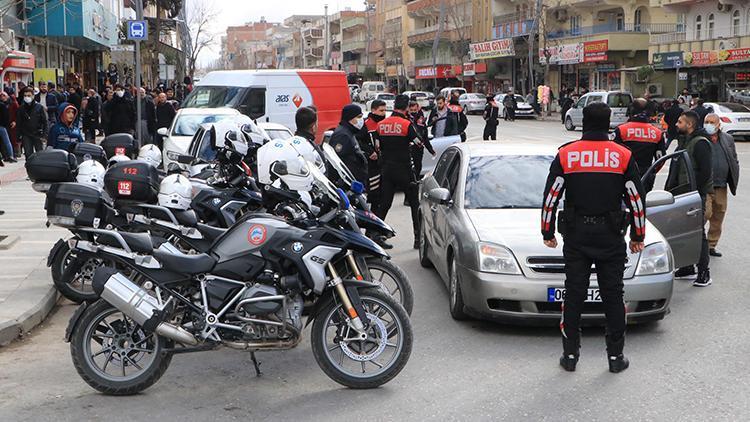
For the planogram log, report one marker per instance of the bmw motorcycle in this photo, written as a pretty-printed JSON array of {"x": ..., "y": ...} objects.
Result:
[{"x": 247, "y": 292}]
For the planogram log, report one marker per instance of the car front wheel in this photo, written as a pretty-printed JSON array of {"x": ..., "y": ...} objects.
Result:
[{"x": 456, "y": 296}]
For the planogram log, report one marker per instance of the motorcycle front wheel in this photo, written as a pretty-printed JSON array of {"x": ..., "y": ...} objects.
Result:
[
  {"x": 367, "y": 363},
  {"x": 113, "y": 354}
]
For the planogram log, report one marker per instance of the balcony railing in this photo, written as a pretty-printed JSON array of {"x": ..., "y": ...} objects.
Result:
[
  {"x": 428, "y": 62},
  {"x": 313, "y": 33},
  {"x": 511, "y": 17},
  {"x": 353, "y": 45},
  {"x": 645, "y": 28},
  {"x": 349, "y": 23},
  {"x": 719, "y": 32},
  {"x": 314, "y": 52}
]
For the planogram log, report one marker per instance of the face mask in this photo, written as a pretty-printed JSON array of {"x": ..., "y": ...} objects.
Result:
[
  {"x": 359, "y": 123},
  {"x": 120, "y": 93},
  {"x": 710, "y": 128},
  {"x": 28, "y": 100}
]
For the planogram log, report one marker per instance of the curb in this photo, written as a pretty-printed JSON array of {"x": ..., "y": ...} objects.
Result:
[{"x": 34, "y": 299}]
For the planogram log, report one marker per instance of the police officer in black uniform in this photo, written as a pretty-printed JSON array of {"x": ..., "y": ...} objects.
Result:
[
  {"x": 396, "y": 134},
  {"x": 597, "y": 176},
  {"x": 344, "y": 141}
]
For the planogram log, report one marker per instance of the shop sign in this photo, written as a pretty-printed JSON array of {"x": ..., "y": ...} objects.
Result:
[
  {"x": 391, "y": 71},
  {"x": 742, "y": 76},
  {"x": 704, "y": 58},
  {"x": 440, "y": 72},
  {"x": 669, "y": 60},
  {"x": 595, "y": 51},
  {"x": 19, "y": 60},
  {"x": 562, "y": 54},
  {"x": 492, "y": 49},
  {"x": 605, "y": 67},
  {"x": 380, "y": 65},
  {"x": 469, "y": 69}
]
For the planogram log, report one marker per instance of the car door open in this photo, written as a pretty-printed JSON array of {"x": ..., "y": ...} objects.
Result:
[{"x": 677, "y": 211}]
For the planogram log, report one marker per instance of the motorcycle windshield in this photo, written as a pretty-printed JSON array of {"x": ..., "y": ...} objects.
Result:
[
  {"x": 333, "y": 159},
  {"x": 323, "y": 185}
]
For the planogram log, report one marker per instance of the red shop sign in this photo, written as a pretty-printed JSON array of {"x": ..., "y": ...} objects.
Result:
[
  {"x": 595, "y": 51},
  {"x": 440, "y": 72}
]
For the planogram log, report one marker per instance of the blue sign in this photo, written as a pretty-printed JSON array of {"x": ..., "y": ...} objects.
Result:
[
  {"x": 669, "y": 60},
  {"x": 137, "y": 30}
]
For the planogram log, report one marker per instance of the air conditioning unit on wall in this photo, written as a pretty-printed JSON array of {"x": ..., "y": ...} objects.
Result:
[{"x": 654, "y": 89}]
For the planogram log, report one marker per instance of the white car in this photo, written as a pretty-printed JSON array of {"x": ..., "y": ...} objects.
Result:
[
  {"x": 446, "y": 92},
  {"x": 618, "y": 101},
  {"x": 472, "y": 103},
  {"x": 523, "y": 109},
  {"x": 422, "y": 98},
  {"x": 735, "y": 118},
  {"x": 187, "y": 121},
  {"x": 384, "y": 96},
  {"x": 276, "y": 131}
]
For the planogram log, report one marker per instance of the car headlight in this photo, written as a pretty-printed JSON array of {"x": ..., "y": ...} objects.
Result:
[
  {"x": 497, "y": 259},
  {"x": 654, "y": 259}
]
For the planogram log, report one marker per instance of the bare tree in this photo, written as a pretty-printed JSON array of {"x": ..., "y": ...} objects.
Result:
[
  {"x": 200, "y": 14},
  {"x": 458, "y": 11}
]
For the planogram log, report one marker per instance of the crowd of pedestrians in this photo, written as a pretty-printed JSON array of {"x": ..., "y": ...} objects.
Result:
[{"x": 53, "y": 115}]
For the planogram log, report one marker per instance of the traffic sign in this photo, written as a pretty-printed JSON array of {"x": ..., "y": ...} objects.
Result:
[
  {"x": 678, "y": 63},
  {"x": 682, "y": 76},
  {"x": 137, "y": 30}
]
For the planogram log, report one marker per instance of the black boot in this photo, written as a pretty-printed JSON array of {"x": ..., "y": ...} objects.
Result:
[
  {"x": 568, "y": 362},
  {"x": 618, "y": 363},
  {"x": 571, "y": 352},
  {"x": 684, "y": 272},
  {"x": 704, "y": 278}
]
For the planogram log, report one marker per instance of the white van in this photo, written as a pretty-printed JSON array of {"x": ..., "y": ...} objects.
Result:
[
  {"x": 446, "y": 92},
  {"x": 274, "y": 95},
  {"x": 370, "y": 88}
]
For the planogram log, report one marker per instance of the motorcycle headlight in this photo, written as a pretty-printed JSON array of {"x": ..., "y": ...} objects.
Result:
[
  {"x": 497, "y": 259},
  {"x": 654, "y": 259}
]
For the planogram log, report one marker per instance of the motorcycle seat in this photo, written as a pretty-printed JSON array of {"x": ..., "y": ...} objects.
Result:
[
  {"x": 183, "y": 263},
  {"x": 209, "y": 232},
  {"x": 138, "y": 242}
]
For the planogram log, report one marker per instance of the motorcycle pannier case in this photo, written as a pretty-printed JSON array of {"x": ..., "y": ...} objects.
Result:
[
  {"x": 74, "y": 204},
  {"x": 51, "y": 166},
  {"x": 120, "y": 143},
  {"x": 133, "y": 181},
  {"x": 85, "y": 151}
]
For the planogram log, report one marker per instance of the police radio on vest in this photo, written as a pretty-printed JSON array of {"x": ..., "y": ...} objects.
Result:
[{"x": 594, "y": 159}]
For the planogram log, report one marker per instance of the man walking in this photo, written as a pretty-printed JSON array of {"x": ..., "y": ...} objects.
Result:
[
  {"x": 7, "y": 147},
  {"x": 702, "y": 112},
  {"x": 165, "y": 114},
  {"x": 592, "y": 228},
  {"x": 698, "y": 148},
  {"x": 726, "y": 176},
  {"x": 31, "y": 123},
  {"x": 121, "y": 112},
  {"x": 490, "y": 116},
  {"x": 91, "y": 115}
]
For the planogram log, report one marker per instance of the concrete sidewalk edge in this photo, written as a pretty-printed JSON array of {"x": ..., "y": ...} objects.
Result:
[{"x": 28, "y": 306}]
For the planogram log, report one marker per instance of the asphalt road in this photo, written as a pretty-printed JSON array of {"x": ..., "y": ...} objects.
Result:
[{"x": 692, "y": 365}]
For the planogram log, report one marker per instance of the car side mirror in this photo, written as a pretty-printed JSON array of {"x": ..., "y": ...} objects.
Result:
[
  {"x": 162, "y": 131},
  {"x": 180, "y": 158},
  {"x": 439, "y": 196},
  {"x": 657, "y": 198}
]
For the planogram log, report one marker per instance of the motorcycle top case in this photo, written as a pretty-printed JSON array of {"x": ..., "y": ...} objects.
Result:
[
  {"x": 120, "y": 143},
  {"x": 51, "y": 166},
  {"x": 75, "y": 205},
  {"x": 133, "y": 181},
  {"x": 85, "y": 151}
]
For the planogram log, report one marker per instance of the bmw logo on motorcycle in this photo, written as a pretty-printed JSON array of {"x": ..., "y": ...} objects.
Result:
[{"x": 297, "y": 247}]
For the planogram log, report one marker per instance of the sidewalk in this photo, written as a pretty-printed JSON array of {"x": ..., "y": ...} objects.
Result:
[{"x": 27, "y": 294}]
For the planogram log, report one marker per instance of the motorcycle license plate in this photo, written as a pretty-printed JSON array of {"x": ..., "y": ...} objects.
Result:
[{"x": 557, "y": 294}]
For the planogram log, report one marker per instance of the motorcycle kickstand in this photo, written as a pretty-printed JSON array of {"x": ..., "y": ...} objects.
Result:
[{"x": 258, "y": 373}]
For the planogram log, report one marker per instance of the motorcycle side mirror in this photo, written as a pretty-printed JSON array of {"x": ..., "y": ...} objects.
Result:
[
  {"x": 180, "y": 158},
  {"x": 358, "y": 187},
  {"x": 173, "y": 168}
]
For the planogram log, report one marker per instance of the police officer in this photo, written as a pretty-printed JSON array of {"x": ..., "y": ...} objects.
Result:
[
  {"x": 369, "y": 144},
  {"x": 459, "y": 115},
  {"x": 597, "y": 175},
  {"x": 396, "y": 134},
  {"x": 417, "y": 151},
  {"x": 344, "y": 141},
  {"x": 644, "y": 139}
]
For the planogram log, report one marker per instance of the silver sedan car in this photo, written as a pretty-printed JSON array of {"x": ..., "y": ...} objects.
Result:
[{"x": 480, "y": 211}]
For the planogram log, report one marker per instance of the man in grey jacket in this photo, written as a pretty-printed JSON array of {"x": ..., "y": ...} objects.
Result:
[{"x": 726, "y": 176}]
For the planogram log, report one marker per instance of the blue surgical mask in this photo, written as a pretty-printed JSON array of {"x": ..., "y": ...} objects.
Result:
[{"x": 710, "y": 128}]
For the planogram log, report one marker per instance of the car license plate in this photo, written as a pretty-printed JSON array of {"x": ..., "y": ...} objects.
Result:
[
  {"x": 557, "y": 294},
  {"x": 744, "y": 119}
]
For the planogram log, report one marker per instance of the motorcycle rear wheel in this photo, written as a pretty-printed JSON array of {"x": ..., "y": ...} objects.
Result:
[
  {"x": 366, "y": 363},
  {"x": 105, "y": 338},
  {"x": 393, "y": 280}
]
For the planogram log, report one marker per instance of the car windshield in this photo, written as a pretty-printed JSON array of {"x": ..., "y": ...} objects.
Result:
[
  {"x": 506, "y": 181},
  {"x": 416, "y": 95},
  {"x": 188, "y": 124},
  {"x": 386, "y": 97},
  {"x": 278, "y": 134},
  {"x": 478, "y": 96},
  {"x": 619, "y": 100},
  {"x": 732, "y": 108},
  {"x": 212, "y": 97}
]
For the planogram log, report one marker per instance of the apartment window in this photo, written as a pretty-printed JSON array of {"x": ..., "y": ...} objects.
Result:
[
  {"x": 735, "y": 23},
  {"x": 698, "y": 26},
  {"x": 680, "y": 26},
  {"x": 710, "y": 29},
  {"x": 575, "y": 25},
  {"x": 637, "y": 20}
]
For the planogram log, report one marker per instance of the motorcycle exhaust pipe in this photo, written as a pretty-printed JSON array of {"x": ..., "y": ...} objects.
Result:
[{"x": 136, "y": 303}]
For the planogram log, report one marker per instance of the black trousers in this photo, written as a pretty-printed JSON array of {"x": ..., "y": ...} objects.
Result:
[
  {"x": 31, "y": 145},
  {"x": 704, "y": 257},
  {"x": 373, "y": 185},
  {"x": 417, "y": 154},
  {"x": 490, "y": 132},
  {"x": 398, "y": 176},
  {"x": 599, "y": 245}
]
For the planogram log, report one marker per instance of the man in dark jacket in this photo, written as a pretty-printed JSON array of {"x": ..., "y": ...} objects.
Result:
[
  {"x": 369, "y": 145},
  {"x": 460, "y": 116},
  {"x": 91, "y": 115},
  {"x": 344, "y": 141},
  {"x": 490, "y": 119},
  {"x": 702, "y": 111},
  {"x": 417, "y": 151},
  {"x": 121, "y": 113},
  {"x": 51, "y": 102},
  {"x": 75, "y": 98},
  {"x": 148, "y": 117},
  {"x": 5, "y": 145},
  {"x": 509, "y": 103},
  {"x": 442, "y": 120},
  {"x": 31, "y": 123},
  {"x": 671, "y": 115},
  {"x": 698, "y": 147},
  {"x": 165, "y": 113},
  {"x": 565, "y": 104},
  {"x": 726, "y": 175}
]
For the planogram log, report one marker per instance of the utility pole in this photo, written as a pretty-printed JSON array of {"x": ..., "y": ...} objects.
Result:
[
  {"x": 327, "y": 45},
  {"x": 436, "y": 43},
  {"x": 534, "y": 32},
  {"x": 368, "y": 8},
  {"x": 138, "y": 16}
]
